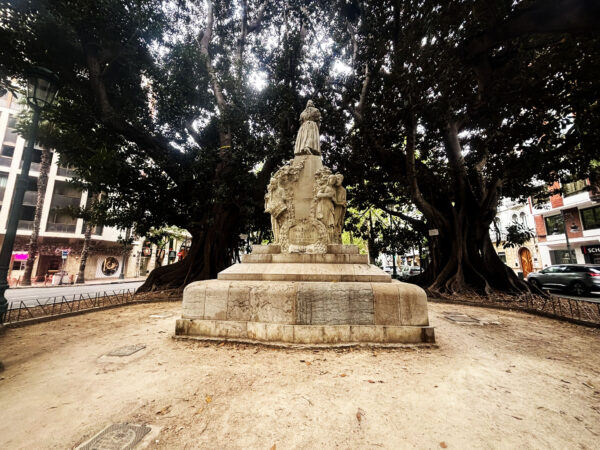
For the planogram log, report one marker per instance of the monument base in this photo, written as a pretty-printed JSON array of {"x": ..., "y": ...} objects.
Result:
[
  {"x": 303, "y": 335},
  {"x": 330, "y": 299}
]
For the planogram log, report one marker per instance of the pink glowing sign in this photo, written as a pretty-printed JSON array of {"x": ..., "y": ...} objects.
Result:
[{"x": 20, "y": 256}]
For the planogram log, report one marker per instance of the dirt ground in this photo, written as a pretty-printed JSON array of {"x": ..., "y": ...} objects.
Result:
[{"x": 527, "y": 382}]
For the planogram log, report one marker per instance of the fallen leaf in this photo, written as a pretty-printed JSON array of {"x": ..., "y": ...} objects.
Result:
[
  {"x": 208, "y": 399},
  {"x": 370, "y": 381},
  {"x": 221, "y": 344},
  {"x": 342, "y": 375},
  {"x": 164, "y": 410},
  {"x": 443, "y": 444},
  {"x": 308, "y": 363},
  {"x": 274, "y": 447},
  {"x": 359, "y": 415}
]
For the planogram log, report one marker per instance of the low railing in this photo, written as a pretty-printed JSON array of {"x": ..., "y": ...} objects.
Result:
[
  {"x": 21, "y": 310},
  {"x": 25, "y": 225},
  {"x": 61, "y": 227},
  {"x": 66, "y": 172},
  {"x": 62, "y": 201}
]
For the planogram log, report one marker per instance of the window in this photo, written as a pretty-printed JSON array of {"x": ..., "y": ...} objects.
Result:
[
  {"x": 575, "y": 269},
  {"x": 554, "y": 224},
  {"x": 573, "y": 188},
  {"x": 3, "y": 182},
  {"x": 11, "y": 132},
  {"x": 502, "y": 256},
  {"x": 562, "y": 257},
  {"x": 523, "y": 218},
  {"x": 590, "y": 218},
  {"x": 553, "y": 269},
  {"x": 514, "y": 218},
  {"x": 8, "y": 150}
]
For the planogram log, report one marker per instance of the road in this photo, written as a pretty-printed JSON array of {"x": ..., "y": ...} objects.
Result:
[
  {"x": 592, "y": 297},
  {"x": 30, "y": 295}
]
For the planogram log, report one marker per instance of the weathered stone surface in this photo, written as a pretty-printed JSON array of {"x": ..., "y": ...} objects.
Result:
[
  {"x": 270, "y": 249},
  {"x": 304, "y": 272},
  {"x": 305, "y": 258},
  {"x": 335, "y": 303},
  {"x": 273, "y": 302},
  {"x": 193, "y": 306},
  {"x": 385, "y": 300},
  {"x": 343, "y": 249},
  {"x": 412, "y": 304},
  {"x": 215, "y": 303},
  {"x": 304, "y": 334}
]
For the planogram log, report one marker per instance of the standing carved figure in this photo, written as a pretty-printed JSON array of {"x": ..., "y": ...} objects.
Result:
[
  {"x": 325, "y": 206},
  {"x": 340, "y": 206},
  {"x": 307, "y": 141},
  {"x": 275, "y": 204}
]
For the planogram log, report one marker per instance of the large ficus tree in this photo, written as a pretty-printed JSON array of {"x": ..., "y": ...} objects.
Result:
[
  {"x": 450, "y": 126},
  {"x": 159, "y": 108}
]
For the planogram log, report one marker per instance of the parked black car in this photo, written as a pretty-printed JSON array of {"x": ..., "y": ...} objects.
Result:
[{"x": 577, "y": 278}]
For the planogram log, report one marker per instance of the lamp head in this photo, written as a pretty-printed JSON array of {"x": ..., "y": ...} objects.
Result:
[{"x": 42, "y": 85}]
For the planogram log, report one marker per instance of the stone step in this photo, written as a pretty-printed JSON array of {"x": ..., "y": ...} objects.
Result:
[
  {"x": 298, "y": 258},
  {"x": 305, "y": 272},
  {"x": 272, "y": 249}
]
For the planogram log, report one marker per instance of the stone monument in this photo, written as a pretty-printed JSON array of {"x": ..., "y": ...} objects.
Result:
[{"x": 306, "y": 287}]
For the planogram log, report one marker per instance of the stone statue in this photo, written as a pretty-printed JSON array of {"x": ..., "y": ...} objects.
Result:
[
  {"x": 340, "y": 206},
  {"x": 307, "y": 141},
  {"x": 326, "y": 205},
  {"x": 275, "y": 204}
]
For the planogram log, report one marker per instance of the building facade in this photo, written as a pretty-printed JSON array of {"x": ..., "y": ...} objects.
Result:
[
  {"x": 61, "y": 236},
  {"x": 523, "y": 259},
  {"x": 574, "y": 214}
]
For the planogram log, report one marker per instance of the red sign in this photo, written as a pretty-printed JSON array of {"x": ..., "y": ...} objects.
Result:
[{"x": 20, "y": 256}]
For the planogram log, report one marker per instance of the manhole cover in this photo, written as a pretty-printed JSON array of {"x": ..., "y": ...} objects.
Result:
[
  {"x": 460, "y": 318},
  {"x": 120, "y": 436},
  {"x": 127, "y": 350}
]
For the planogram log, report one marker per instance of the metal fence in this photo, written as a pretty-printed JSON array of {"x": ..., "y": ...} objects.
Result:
[{"x": 34, "y": 309}]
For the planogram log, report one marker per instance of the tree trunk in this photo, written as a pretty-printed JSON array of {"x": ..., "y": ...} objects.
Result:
[
  {"x": 464, "y": 261},
  {"x": 210, "y": 252},
  {"x": 84, "y": 253},
  {"x": 39, "y": 206}
]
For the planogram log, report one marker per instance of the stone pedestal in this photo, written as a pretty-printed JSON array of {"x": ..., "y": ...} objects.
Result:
[
  {"x": 306, "y": 288},
  {"x": 308, "y": 299}
]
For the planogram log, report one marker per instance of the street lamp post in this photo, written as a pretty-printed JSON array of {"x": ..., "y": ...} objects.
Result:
[{"x": 41, "y": 88}]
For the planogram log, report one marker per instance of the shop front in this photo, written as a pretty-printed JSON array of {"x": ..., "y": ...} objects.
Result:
[{"x": 591, "y": 253}]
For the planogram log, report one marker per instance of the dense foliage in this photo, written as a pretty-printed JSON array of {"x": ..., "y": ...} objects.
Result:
[{"x": 181, "y": 110}]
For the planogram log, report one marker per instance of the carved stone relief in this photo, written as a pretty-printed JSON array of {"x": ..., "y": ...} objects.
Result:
[{"x": 307, "y": 202}]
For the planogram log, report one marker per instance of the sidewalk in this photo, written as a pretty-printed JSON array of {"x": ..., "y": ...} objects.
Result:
[{"x": 87, "y": 283}]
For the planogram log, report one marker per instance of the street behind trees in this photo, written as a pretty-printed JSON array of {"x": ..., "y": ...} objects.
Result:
[{"x": 183, "y": 111}]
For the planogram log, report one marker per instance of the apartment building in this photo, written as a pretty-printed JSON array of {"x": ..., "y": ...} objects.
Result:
[
  {"x": 60, "y": 234},
  {"x": 576, "y": 214},
  {"x": 523, "y": 259}
]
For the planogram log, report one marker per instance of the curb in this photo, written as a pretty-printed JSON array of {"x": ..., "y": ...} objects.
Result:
[{"x": 79, "y": 284}]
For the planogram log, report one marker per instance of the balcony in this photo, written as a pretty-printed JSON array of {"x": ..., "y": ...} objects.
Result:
[
  {"x": 25, "y": 225},
  {"x": 61, "y": 227},
  {"x": 63, "y": 201},
  {"x": 66, "y": 172}
]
